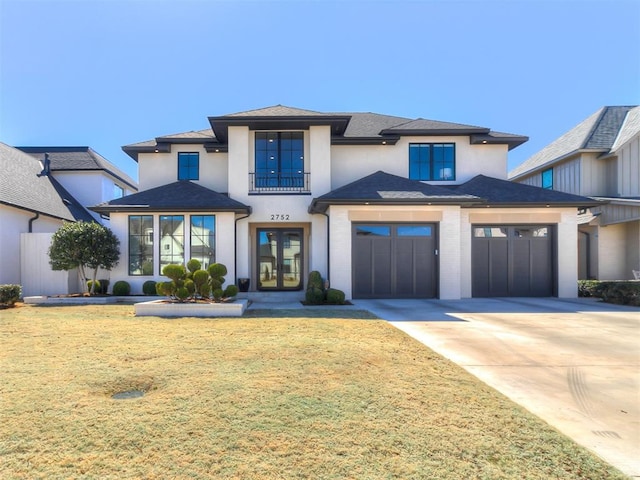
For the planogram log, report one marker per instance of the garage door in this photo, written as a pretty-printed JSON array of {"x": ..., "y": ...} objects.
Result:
[
  {"x": 513, "y": 261},
  {"x": 394, "y": 261}
]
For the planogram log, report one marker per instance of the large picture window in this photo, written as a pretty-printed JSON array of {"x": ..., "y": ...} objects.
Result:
[
  {"x": 188, "y": 166},
  {"x": 140, "y": 245},
  {"x": 432, "y": 161},
  {"x": 203, "y": 239},
  {"x": 171, "y": 240},
  {"x": 279, "y": 160}
]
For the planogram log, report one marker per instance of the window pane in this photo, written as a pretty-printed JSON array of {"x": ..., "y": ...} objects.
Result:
[
  {"x": 140, "y": 245},
  {"x": 531, "y": 232},
  {"x": 279, "y": 159},
  {"x": 490, "y": 232},
  {"x": 171, "y": 240},
  {"x": 547, "y": 179},
  {"x": 203, "y": 239},
  {"x": 414, "y": 231},
  {"x": 373, "y": 230},
  {"x": 188, "y": 166}
]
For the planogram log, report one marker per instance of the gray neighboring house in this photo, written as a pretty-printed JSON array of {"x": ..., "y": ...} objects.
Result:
[
  {"x": 36, "y": 197},
  {"x": 599, "y": 158}
]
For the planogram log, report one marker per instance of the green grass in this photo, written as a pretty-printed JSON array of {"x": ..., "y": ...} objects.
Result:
[{"x": 255, "y": 398}]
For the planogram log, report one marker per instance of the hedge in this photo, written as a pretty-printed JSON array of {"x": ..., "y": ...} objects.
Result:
[
  {"x": 9, "y": 295},
  {"x": 621, "y": 292}
]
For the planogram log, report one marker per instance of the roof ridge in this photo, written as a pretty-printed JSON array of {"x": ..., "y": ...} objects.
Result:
[{"x": 596, "y": 125}]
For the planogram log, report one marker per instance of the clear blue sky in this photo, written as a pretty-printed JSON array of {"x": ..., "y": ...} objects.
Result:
[{"x": 110, "y": 73}]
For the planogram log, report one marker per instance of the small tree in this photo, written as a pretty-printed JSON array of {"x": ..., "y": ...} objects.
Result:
[{"x": 85, "y": 246}]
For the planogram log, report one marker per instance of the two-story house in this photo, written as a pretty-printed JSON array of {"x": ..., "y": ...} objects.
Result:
[
  {"x": 40, "y": 188},
  {"x": 381, "y": 206},
  {"x": 598, "y": 158}
]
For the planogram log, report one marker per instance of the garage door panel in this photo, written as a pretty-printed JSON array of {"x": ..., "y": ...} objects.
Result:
[
  {"x": 381, "y": 267},
  {"x": 499, "y": 266}
]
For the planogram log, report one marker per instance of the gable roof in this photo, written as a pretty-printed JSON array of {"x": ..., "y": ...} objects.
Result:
[
  {"x": 78, "y": 159},
  {"x": 597, "y": 133},
  {"x": 498, "y": 192},
  {"x": 381, "y": 188},
  {"x": 347, "y": 128},
  {"x": 178, "y": 196},
  {"x": 22, "y": 186},
  {"x": 628, "y": 130}
]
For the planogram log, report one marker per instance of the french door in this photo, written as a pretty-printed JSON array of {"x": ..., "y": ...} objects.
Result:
[{"x": 279, "y": 258}]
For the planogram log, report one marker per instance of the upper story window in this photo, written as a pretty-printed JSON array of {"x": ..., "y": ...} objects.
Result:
[
  {"x": 118, "y": 191},
  {"x": 547, "y": 179},
  {"x": 432, "y": 161},
  {"x": 279, "y": 162},
  {"x": 188, "y": 166}
]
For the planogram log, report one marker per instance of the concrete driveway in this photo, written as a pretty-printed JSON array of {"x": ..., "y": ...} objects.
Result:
[{"x": 574, "y": 363}]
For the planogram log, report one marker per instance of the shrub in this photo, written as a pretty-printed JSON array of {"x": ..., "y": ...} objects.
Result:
[
  {"x": 623, "y": 292},
  {"x": 315, "y": 289},
  {"x": 121, "y": 288},
  {"x": 231, "y": 291},
  {"x": 9, "y": 294},
  {"x": 93, "y": 290},
  {"x": 587, "y": 288},
  {"x": 335, "y": 296},
  {"x": 104, "y": 286},
  {"x": 149, "y": 287},
  {"x": 193, "y": 265},
  {"x": 196, "y": 283}
]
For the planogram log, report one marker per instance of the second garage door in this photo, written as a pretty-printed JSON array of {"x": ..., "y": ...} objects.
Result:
[
  {"x": 513, "y": 261},
  {"x": 394, "y": 261}
]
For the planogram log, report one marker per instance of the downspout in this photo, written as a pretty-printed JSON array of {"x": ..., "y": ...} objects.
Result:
[
  {"x": 31, "y": 220},
  {"x": 235, "y": 246}
]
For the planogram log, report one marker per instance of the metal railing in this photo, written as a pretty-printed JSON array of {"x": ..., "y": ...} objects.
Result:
[{"x": 279, "y": 182}]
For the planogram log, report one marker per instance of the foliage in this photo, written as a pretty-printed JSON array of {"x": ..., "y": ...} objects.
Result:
[
  {"x": 104, "y": 286},
  {"x": 193, "y": 283},
  {"x": 84, "y": 245},
  {"x": 335, "y": 296},
  {"x": 9, "y": 295},
  {"x": 622, "y": 292},
  {"x": 121, "y": 288},
  {"x": 315, "y": 293},
  {"x": 94, "y": 286},
  {"x": 149, "y": 287}
]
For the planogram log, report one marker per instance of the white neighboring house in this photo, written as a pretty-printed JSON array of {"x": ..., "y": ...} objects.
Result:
[
  {"x": 36, "y": 197},
  {"x": 381, "y": 206},
  {"x": 599, "y": 158}
]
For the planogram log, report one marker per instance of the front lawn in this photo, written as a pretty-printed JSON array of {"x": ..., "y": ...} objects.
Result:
[{"x": 253, "y": 398}]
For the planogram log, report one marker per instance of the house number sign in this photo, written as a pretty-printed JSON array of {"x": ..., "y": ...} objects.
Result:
[{"x": 279, "y": 216}]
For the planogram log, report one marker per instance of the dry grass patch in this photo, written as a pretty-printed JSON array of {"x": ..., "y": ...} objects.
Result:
[{"x": 253, "y": 398}]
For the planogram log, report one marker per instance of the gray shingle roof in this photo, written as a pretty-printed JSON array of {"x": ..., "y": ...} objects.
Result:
[
  {"x": 503, "y": 192},
  {"x": 22, "y": 186},
  {"x": 597, "y": 132},
  {"x": 177, "y": 196},
  {"x": 630, "y": 127},
  {"x": 78, "y": 158},
  {"x": 386, "y": 189},
  {"x": 347, "y": 128}
]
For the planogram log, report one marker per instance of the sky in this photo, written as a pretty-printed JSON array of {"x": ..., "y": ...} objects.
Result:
[{"x": 110, "y": 73}]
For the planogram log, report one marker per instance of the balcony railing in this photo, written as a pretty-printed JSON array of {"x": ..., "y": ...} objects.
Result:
[{"x": 279, "y": 182}]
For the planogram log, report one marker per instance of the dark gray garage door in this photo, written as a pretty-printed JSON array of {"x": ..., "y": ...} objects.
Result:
[
  {"x": 394, "y": 261},
  {"x": 513, "y": 261}
]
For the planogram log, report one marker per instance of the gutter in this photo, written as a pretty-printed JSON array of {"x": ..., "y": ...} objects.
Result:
[
  {"x": 31, "y": 220},
  {"x": 235, "y": 246}
]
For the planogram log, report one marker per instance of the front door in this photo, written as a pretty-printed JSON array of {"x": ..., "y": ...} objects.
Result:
[{"x": 280, "y": 258}]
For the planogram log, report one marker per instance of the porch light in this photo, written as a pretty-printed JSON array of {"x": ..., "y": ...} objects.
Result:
[
  {"x": 384, "y": 142},
  {"x": 484, "y": 142}
]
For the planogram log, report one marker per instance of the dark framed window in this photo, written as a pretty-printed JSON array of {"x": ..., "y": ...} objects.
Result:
[
  {"x": 203, "y": 239},
  {"x": 171, "y": 240},
  {"x": 188, "y": 166},
  {"x": 279, "y": 159},
  {"x": 432, "y": 161},
  {"x": 140, "y": 244},
  {"x": 547, "y": 179}
]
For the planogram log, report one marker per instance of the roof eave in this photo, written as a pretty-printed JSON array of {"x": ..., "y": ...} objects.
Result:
[
  {"x": 133, "y": 151},
  {"x": 553, "y": 161},
  {"x": 147, "y": 208},
  {"x": 436, "y": 132},
  {"x": 386, "y": 140},
  {"x": 511, "y": 142},
  {"x": 321, "y": 206}
]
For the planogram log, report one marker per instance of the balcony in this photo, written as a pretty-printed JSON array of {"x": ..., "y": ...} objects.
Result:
[{"x": 279, "y": 183}]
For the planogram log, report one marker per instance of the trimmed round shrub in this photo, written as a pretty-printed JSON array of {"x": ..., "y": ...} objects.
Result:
[
  {"x": 164, "y": 288},
  {"x": 193, "y": 265},
  {"x": 218, "y": 294},
  {"x": 98, "y": 287},
  {"x": 314, "y": 296},
  {"x": 182, "y": 294},
  {"x": 315, "y": 280},
  {"x": 217, "y": 270},
  {"x": 121, "y": 288},
  {"x": 335, "y": 296},
  {"x": 200, "y": 277},
  {"x": 149, "y": 287},
  {"x": 174, "y": 271},
  {"x": 231, "y": 291},
  {"x": 190, "y": 286}
]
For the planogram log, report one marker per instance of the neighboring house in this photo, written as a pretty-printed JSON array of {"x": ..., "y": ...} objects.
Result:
[
  {"x": 36, "y": 197},
  {"x": 381, "y": 206},
  {"x": 89, "y": 176},
  {"x": 599, "y": 158}
]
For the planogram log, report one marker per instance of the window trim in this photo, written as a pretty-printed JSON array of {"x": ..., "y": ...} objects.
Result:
[
  {"x": 143, "y": 236},
  {"x": 184, "y": 239},
  {"x": 190, "y": 167},
  {"x": 431, "y": 164}
]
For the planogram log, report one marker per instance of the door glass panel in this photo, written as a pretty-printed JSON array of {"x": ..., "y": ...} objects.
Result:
[
  {"x": 528, "y": 232},
  {"x": 290, "y": 259},
  {"x": 489, "y": 232},
  {"x": 373, "y": 230},
  {"x": 414, "y": 231},
  {"x": 268, "y": 258}
]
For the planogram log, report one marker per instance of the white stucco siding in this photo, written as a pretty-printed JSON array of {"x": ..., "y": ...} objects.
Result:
[
  {"x": 238, "y": 161},
  {"x": 351, "y": 162},
  {"x": 319, "y": 159},
  {"x": 156, "y": 169}
]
